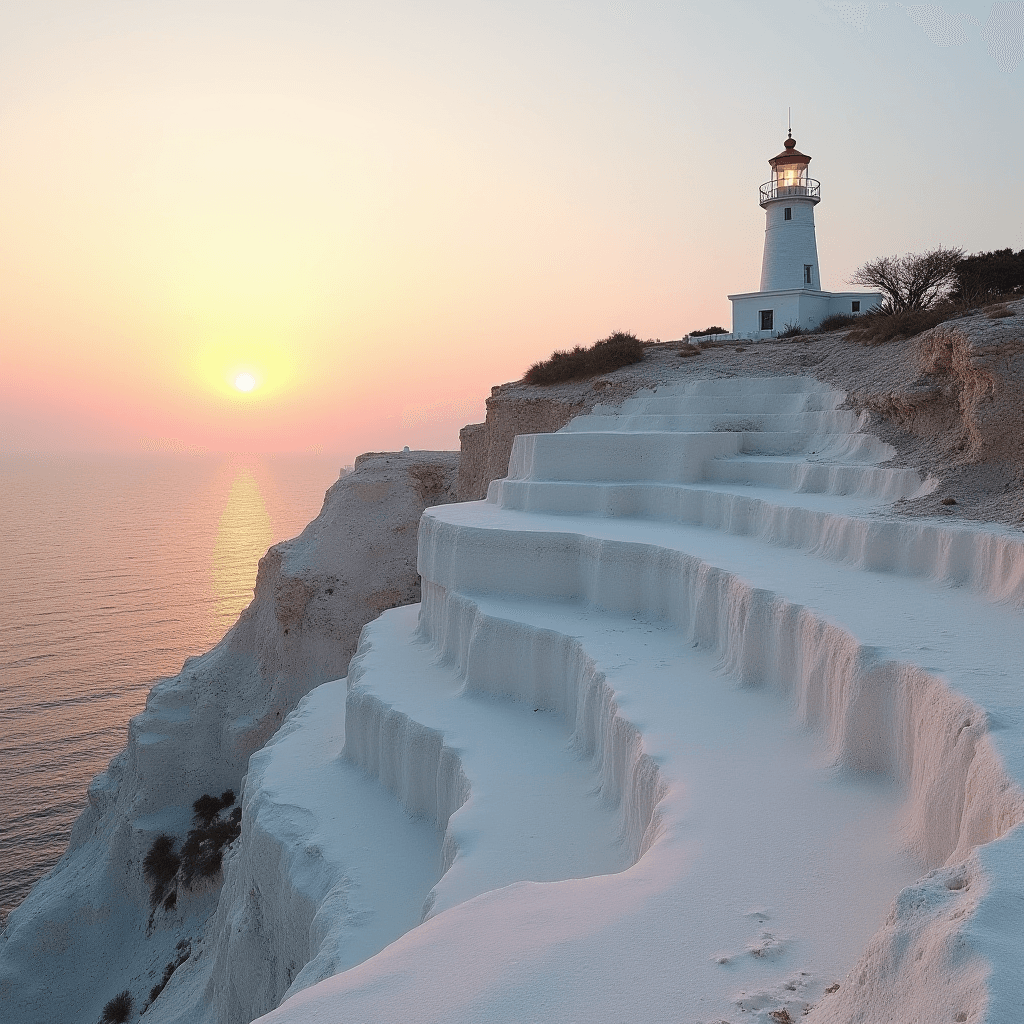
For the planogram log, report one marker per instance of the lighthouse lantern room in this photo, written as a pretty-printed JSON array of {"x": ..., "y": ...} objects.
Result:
[{"x": 790, "y": 294}]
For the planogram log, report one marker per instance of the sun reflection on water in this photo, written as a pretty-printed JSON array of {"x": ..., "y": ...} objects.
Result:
[{"x": 243, "y": 536}]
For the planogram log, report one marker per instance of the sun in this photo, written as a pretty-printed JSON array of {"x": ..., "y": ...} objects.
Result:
[{"x": 245, "y": 382}]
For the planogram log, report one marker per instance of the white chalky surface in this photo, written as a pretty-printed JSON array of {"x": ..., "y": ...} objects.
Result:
[{"x": 706, "y": 733}]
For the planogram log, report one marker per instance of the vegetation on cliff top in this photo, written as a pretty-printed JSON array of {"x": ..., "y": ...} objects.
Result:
[
  {"x": 618, "y": 349},
  {"x": 922, "y": 290}
]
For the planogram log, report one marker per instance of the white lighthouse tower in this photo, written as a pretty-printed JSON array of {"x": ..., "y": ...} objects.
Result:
[{"x": 790, "y": 293}]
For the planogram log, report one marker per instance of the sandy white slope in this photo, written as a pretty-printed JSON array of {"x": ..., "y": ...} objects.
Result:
[{"x": 790, "y": 705}]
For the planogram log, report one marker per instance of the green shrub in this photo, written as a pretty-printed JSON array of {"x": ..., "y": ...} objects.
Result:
[
  {"x": 707, "y": 331},
  {"x": 118, "y": 1010},
  {"x": 618, "y": 349}
]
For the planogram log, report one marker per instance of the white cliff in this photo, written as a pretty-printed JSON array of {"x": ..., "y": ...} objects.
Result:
[
  {"x": 800, "y": 718},
  {"x": 87, "y": 931}
]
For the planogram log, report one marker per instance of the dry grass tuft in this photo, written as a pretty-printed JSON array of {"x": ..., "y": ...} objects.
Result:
[
  {"x": 836, "y": 322},
  {"x": 999, "y": 311},
  {"x": 877, "y": 328}
]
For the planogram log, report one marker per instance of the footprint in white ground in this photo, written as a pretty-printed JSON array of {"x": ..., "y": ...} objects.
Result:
[
  {"x": 778, "y": 1004},
  {"x": 768, "y": 946}
]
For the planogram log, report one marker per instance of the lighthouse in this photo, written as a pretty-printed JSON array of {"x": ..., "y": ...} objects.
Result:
[{"x": 790, "y": 294}]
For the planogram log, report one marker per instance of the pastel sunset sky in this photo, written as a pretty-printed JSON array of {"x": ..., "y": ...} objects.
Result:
[{"x": 380, "y": 209}]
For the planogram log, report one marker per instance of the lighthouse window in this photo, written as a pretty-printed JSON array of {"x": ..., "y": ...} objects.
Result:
[
  {"x": 807, "y": 274},
  {"x": 767, "y": 319},
  {"x": 856, "y": 306},
  {"x": 789, "y": 213}
]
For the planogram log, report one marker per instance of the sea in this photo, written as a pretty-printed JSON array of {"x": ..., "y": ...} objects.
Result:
[{"x": 114, "y": 570}]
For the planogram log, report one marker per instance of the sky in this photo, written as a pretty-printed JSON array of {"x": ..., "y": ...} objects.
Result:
[{"x": 379, "y": 210}]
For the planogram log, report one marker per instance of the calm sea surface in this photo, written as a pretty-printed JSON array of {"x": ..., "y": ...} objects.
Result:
[{"x": 112, "y": 572}]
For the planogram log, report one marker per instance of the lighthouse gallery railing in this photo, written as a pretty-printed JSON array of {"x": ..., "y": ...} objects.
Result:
[{"x": 807, "y": 189}]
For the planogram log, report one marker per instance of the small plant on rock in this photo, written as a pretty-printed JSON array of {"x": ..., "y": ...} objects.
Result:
[
  {"x": 118, "y": 1010},
  {"x": 207, "y": 807},
  {"x": 160, "y": 866},
  {"x": 203, "y": 850}
]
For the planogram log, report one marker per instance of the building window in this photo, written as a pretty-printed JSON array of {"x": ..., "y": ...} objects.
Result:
[
  {"x": 807, "y": 274},
  {"x": 789, "y": 213},
  {"x": 855, "y": 306},
  {"x": 767, "y": 319}
]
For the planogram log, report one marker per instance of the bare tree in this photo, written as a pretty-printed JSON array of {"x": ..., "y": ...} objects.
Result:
[{"x": 913, "y": 281}]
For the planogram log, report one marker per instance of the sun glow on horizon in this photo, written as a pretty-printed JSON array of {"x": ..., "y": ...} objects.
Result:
[{"x": 244, "y": 370}]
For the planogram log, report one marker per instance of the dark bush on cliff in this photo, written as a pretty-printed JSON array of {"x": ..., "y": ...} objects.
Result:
[
  {"x": 118, "y": 1010},
  {"x": 161, "y": 863},
  {"x": 160, "y": 866},
  {"x": 985, "y": 276},
  {"x": 207, "y": 807},
  {"x": 203, "y": 850},
  {"x": 618, "y": 349}
]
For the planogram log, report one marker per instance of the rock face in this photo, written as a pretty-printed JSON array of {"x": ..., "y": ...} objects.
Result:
[
  {"x": 982, "y": 367},
  {"x": 519, "y": 408},
  {"x": 971, "y": 385},
  {"x": 86, "y": 929},
  {"x": 487, "y": 446}
]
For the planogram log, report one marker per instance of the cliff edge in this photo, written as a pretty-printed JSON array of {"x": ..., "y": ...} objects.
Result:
[{"x": 88, "y": 930}]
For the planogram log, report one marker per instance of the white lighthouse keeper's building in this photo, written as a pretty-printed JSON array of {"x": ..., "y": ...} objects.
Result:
[{"x": 790, "y": 293}]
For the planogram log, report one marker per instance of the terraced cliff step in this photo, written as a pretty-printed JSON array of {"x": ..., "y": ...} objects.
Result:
[
  {"x": 789, "y": 701},
  {"x": 576, "y": 728},
  {"x": 499, "y": 778}
]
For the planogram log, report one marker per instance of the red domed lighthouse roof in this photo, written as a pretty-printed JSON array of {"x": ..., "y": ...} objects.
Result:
[{"x": 790, "y": 155}]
